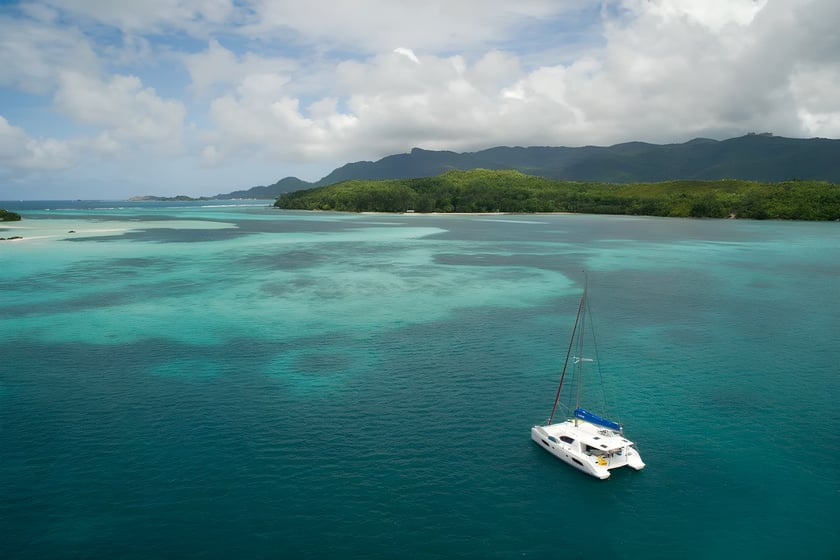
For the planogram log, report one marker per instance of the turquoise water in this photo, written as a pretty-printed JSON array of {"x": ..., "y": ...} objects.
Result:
[{"x": 220, "y": 381}]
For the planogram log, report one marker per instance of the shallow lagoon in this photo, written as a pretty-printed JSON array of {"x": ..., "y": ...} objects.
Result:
[{"x": 199, "y": 380}]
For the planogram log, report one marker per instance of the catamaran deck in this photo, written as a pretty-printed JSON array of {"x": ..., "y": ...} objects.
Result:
[{"x": 596, "y": 437}]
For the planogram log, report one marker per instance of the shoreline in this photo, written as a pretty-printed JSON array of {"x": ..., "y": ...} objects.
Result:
[
  {"x": 61, "y": 229},
  {"x": 17, "y": 232}
]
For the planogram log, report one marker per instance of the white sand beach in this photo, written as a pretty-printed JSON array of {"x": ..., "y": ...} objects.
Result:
[{"x": 59, "y": 229}]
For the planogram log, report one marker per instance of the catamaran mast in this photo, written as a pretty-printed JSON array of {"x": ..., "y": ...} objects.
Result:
[
  {"x": 579, "y": 360},
  {"x": 578, "y": 320}
]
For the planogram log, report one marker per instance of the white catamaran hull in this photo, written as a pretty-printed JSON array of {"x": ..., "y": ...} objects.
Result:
[{"x": 587, "y": 447}]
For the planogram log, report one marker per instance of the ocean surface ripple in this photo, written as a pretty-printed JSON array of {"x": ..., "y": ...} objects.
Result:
[{"x": 218, "y": 381}]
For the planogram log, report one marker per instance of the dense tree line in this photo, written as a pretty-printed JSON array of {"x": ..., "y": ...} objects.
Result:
[{"x": 482, "y": 190}]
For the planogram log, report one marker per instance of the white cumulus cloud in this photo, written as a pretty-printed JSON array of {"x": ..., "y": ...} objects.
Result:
[
  {"x": 278, "y": 84},
  {"x": 25, "y": 154},
  {"x": 32, "y": 55},
  {"x": 129, "y": 111}
]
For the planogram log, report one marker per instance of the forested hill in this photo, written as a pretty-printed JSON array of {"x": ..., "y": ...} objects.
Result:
[
  {"x": 755, "y": 157},
  {"x": 288, "y": 184},
  {"x": 482, "y": 190}
]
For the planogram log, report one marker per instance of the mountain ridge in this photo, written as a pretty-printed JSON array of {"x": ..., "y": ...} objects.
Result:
[{"x": 753, "y": 157}]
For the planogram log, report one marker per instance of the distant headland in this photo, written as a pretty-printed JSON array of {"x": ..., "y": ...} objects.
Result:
[
  {"x": 179, "y": 198},
  {"x": 760, "y": 157},
  {"x": 758, "y": 175}
]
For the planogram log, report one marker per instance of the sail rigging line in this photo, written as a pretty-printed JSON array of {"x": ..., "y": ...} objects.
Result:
[
  {"x": 568, "y": 354},
  {"x": 597, "y": 359},
  {"x": 607, "y": 410}
]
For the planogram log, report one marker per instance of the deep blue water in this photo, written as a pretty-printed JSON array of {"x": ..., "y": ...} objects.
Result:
[{"x": 214, "y": 381}]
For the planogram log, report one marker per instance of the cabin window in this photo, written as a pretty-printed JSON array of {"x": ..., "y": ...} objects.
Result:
[
  {"x": 566, "y": 439},
  {"x": 552, "y": 438},
  {"x": 576, "y": 461}
]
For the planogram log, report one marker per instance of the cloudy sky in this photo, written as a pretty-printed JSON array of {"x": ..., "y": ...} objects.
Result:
[{"x": 106, "y": 99}]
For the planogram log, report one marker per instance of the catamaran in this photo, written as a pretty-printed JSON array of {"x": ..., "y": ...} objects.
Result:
[{"x": 586, "y": 441}]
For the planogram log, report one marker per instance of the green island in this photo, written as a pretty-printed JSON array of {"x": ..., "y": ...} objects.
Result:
[
  {"x": 6, "y": 216},
  {"x": 483, "y": 190}
]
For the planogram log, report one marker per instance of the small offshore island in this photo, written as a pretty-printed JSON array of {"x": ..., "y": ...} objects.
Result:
[
  {"x": 6, "y": 216},
  {"x": 484, "y": 190}
]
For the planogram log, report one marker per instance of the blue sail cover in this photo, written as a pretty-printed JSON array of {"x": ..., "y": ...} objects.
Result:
[{"x": 595, "y": 419}]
